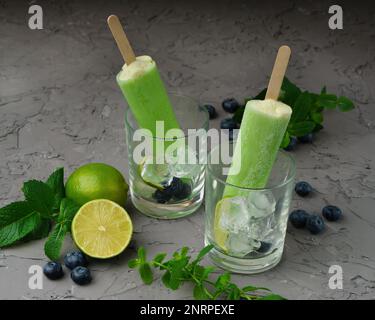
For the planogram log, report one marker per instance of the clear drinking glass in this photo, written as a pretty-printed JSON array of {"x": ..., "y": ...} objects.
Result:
[
  {"x": 247, "y": 231},
  {"x": 174, "y": 187}
]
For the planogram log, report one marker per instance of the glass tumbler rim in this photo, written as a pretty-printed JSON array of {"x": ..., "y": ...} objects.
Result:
[
  {"x": 290, "y": 178},
  {"x": 204, "y": 125}
]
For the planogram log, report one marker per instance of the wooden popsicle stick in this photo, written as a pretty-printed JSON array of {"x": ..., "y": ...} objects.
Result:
[
  {"x": 278, "y": 72},
  {"x": 121, "y": 39}
]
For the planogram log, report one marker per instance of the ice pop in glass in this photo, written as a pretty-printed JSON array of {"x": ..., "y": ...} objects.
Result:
[
  {"x": 262, "y": 129},
  {"x": 146, "y": 95},
  {"x": 142, "y": 86}
]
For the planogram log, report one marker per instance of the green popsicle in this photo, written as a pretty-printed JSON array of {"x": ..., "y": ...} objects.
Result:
[
  {"x": 145, "y": 93},
  {"x": 142, "y": 86},
  {"x": 262, "y": 130},
  {"x": 263, "y": 126}
]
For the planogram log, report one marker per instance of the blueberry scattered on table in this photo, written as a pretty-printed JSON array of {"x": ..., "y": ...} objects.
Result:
[
  {"x": 230, "y": 105},
  {"x": 303, "y": 188},
  {"x": 298, "y": 218},
  {"x": 332, "y": 213},
  {"x": 75, "y": 259},
  {"x": 211, "y": 111},
  {"x": 308, "y": 138},
  {"x": 292, "y": 144},
  {"x": 228, "y": 123},
  {"x": 53, "y": 270},
  {"x": 315, "y": 224},
  {"x": 81, "y": 275},
  {"x": 264, "y": 247}
]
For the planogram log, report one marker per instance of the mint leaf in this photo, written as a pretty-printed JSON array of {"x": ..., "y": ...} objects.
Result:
[
  {"x": 234, "y": 293},
  {"x": 146, "y": 273},
  {"x": 301, "y": 128},
  {"x": 142, "y": 254},
  {"x": 199, "y": 292},
  {"x": 345, "y": 104},
  {"x": 39, "y": 196},
  {"x": 203, "y": 252},
  {"x": 223, "y": 280},
  {"x": 53, "y": 245},
  {"x": 327, "y": 101},
  {"x": 19, "y": 228},
  {"x": 166, "y": 278},
  {"x": 68, "y": 210},
  {"x": 272, "y": 297},
  {"x": 56, "y": 182},
  {"x": 159, "y": 258},
  {"x": 40, "y": 231},
  {"x": 133, "y": 263},
  {"x": 290, "y": 92},
  {"x": 301, "y": 107},
  {"x": 317, "y": 117},
  {"x": 14, "y": 212}
]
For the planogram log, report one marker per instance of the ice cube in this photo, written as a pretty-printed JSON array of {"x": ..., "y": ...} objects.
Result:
[
  {"x": 184, "y": 163},
  {"x": 234, "y": 215},
  {"x": 240, "y": 244},
  {"x": 261, "y": 204}
]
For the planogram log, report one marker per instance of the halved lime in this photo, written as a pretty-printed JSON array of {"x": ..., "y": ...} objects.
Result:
[{"x": 102, "y": 229}]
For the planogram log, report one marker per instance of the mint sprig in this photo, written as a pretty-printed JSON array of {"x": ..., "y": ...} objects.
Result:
[
  {"x": 308, "y": 107},
  {"x": 31, "y": 219},
  {"x": 181, "y": 268}
]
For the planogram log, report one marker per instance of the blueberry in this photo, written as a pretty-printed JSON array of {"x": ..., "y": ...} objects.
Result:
[
  {"x": 175, "y": 187},
  {"x": 264, "y": 247},
  {"x": 292, "y": 144},
  {"x": 315, "y": 224},
  {"x": 184, "y": 193},
  {"x": 308, "y": 138},
  {"x": 332, "y": 213},
  {"x": 298, "y": 218},
  {"x": 211, "y": 111},
  {"x": 230, "y": 105},
  {"x": 53, "y": 270},
  {"x": 228, "y": 123},
  {"x": 81, "y": 275},
  {"x": 161, "y": 196},
  {"x": 75, "y": 259},
  {"x": 303, "y": 188}
]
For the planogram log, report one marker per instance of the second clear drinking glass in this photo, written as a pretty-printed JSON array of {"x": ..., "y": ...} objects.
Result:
[
  {"x": 153, "y": 185},
  {"x": 247, "y": 231}
]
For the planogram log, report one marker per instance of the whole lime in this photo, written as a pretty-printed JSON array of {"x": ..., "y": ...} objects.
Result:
[{"x": 96, "y": 181}]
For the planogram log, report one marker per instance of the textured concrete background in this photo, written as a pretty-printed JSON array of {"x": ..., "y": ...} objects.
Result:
[{"x": 60, "y": 106}]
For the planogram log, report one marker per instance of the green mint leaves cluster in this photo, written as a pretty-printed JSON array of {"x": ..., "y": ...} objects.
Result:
[
  {"x": 307, "y": 116},
  {"x": 32, "y": 218},
  {"x": 181, "y": 268}
]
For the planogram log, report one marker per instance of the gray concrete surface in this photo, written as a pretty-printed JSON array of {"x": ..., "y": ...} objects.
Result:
[{"x": 60, "y": 106}]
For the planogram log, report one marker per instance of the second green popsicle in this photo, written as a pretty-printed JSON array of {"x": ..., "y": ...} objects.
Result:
[
  {"x": 144, "y": 90},
  {"x": 263, "y": 127}
]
